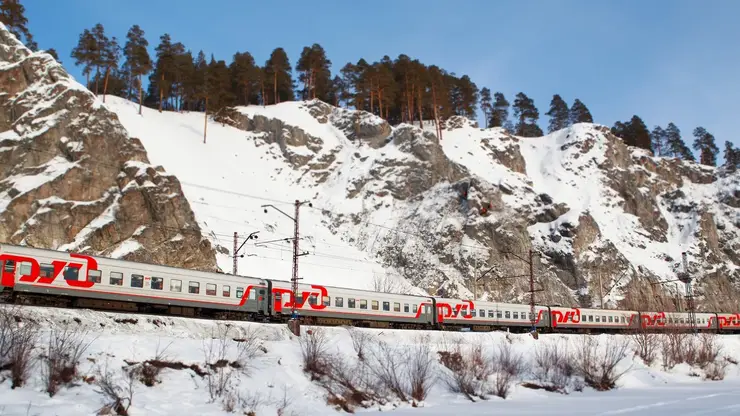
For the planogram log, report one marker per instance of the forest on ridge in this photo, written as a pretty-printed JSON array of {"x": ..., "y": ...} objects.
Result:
[{"x": 400, "y": 90}]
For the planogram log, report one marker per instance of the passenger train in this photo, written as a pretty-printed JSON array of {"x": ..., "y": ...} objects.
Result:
[{"x": 43, "y": 277}]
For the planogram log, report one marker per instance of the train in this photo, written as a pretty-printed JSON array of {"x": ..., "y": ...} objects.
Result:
[{"x": 43, "y": 277}]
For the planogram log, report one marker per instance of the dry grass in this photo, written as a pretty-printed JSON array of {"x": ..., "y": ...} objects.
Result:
[
  {"x": 18, "y": 338},
  {"x": 598, "y": 366},
  {"x": 117, "y": 390},
  {"x": 647, "y": 346},
  {"x": 63, "y": 354},
  {"x": 555, "y": 368}
]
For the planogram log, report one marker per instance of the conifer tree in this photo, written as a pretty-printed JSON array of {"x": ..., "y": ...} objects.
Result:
[
  {"x": 13, "y": 16},
  {"x": 658, "y": 140},
  {"x": 315, "y": 74},
  {"x": 704, "y": 143},
  {"x": 559, "y": 114},
  {"x": 111, "y": 56},
  {"x": 245, "y": 78},
  {"x": 54, "y": 54},
  {"x": 278, "y": 72},
  {"x": 527, "y": 115},
  {"x": 633, "y": 133},
  {"x": 84, "y": 53},
  {"x": 675, "y": 145},
  {"x": 99, "y": 52},
  {"x": 579, "y": 113},
  {"x": 165, "y": 75},
  {"x": 731, "y": 156},
  {"x": 486, "y": 104},
  {"x": 137, "y": 57},
  {"x": 500, "y": 111}
]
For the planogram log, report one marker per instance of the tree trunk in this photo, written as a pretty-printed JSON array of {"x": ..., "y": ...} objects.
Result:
[
  {"x": 97, "y": 79},
  {"x": 436, "y": 113},
  {"x": 421, "y": 115},
  {"x": 161, "y": 93},
  {"x": 276, "y": 99},
  {"x": 205, "y": 122},
  {"x": 140, "y": 94},
  {"x": 105, "y": 83}
]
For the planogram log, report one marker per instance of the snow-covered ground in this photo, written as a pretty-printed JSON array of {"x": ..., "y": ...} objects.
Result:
[{"x": 275, "y": 377}]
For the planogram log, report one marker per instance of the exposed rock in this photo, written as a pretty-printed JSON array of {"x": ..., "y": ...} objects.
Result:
[{"x": 72, "y": 179}]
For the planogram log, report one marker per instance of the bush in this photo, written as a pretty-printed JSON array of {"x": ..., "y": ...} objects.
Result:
[
  {"x": 508, "y": 367},
  {"x": 63, "y": 354},
  {"x": 469, "y": 370},
  {"x": 420, "y": 368},
  {"x": 216, "y": 353},
  {"x": 647, "y": 346},
  {"x": 118, "y": 393},
  {"x": 314, "y": 350},
  {"x": 599, "y": 368},
  {"x": 18, "y": 337},
  {"x": 555, "y": 368}
]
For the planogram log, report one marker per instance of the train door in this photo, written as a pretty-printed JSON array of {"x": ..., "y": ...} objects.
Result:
[{"x": 7, "y": 273}]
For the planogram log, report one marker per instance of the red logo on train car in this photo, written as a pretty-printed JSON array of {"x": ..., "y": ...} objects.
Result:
[
  {"x": 573, "y": 315},
  {"x": 319, "y": 291},
  {"x": 729, "y": 321},
  {"x": 653, "y": 319},
  {"x": 34, "y": 275},
  {"x": 445, "y": 310}
]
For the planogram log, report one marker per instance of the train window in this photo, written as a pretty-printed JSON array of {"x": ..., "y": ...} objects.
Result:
[
  {"x": 374, "y": 305},
  {"x": 363, "y": 304},
  {"x": 47, "y": 270},
  {"x": 327, "y": 300},
  {"x": 507, "y": 314},
  {"x": 211, "y": 289},
  {"x": 474, "y": 313},
  {"x": 414, "y": 308},
  {"x": 516, "y": 315},
  {"x": 597, "y": 318},
  {"x": 157, "y": 283},
  {"x": 226, "y": 291},
  {"x": 603, "y": 318},
  {"x": 623, "y": 321},
  {"x": 71, "y": 273},
  {"x": 350, "y": 303},
  {"x": 9, "y": 266},
  {"x": 137, "y": 280},
  {"x": 298, "y": 299},
  {"x": 175, "y": 285},
  {"x": 25, "y": 269},
  {"x": 239, "y": 292},
  {"x": 590, "y": 318},
  {"x": 338, "y": 302},
  {"x": 313, "y": 300},
  {"x": 396, "y": 307},
  {"x": 611, "y": 319},
  {"x": 406, "y": 307},
  {"x": 116, "y": 279},
  {"x": 95, "y": 275},
  {"x": 387, "y": 306},
  {"x": 194, "y": 288}
]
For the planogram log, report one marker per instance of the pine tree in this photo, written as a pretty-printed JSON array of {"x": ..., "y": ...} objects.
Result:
[
  {"x": 84, "y": 53},
  {"x": 675, "y": 145},
  {"x": 315, "y": 74},
  {"x": 13, "y": 16},
  {"x": 704, "y": 143},
  {"x": 53, "y": 53},
  {"x": 527, "y": 115},
  {"x": 658, "y": 140},
  {"x": 732, "y": 157},
  {"x": 137, "y": 57},
  {"x": 466, "y": 93},
  {"x": 500, "y": 111},
  {"x": 486, "y": 104},
  {"x": 245, "y": 78},
  {"x": 165, "y": 75},
  {"x": 579, "y": 113},
  {"x": 99, "y": 52},
  {"x": 559, "y": 114},
  {"x": 278, "y": 72},
  {"x": 633, "y": 133},
  {"x": 111, "y": 56}
]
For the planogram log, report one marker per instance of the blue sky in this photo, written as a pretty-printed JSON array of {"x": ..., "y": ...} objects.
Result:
[{"x": 664, "y": 60}]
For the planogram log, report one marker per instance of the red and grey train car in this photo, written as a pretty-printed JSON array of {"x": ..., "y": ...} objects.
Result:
[{"x": 55, "y": 278}]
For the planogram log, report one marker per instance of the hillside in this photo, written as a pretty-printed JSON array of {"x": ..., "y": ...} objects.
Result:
[{"x": 393, "y": 207}]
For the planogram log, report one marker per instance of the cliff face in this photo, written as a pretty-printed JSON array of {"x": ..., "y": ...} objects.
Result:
[{"x": 71, "y": 178}]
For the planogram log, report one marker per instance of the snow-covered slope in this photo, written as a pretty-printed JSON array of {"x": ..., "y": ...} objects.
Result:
[{"x": 388, "y": 201}]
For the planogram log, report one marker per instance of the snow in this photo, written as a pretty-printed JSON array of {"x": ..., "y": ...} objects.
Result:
[
  {"x": 276, "y": 370},
  {"x": 126, "y": 247},
  {"x": 53, "y": 169},
  {"x": 229, "y": 178}
]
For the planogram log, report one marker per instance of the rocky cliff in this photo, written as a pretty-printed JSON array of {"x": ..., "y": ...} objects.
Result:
[{"x": 71, "y": 178}]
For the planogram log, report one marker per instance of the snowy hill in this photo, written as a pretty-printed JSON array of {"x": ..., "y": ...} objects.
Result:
[
  {"x": 387, "y": 200},
  {"x": 393, "y": 207}
]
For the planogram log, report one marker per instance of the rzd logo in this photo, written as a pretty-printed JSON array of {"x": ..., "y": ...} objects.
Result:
[{"x": 34, "y": 276}]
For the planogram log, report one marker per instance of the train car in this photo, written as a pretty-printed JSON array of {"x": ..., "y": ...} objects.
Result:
[
  {"x": 565, "y": 319},
  {"x": 704, "y": 321},
  {"x": 487, "y": 316},
  {"x": 104, "y": 283},
  {"x": 727, "y": 322},
  {"x": 342, "y": 306}
]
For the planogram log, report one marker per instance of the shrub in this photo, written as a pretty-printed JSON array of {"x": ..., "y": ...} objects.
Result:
[
  {"x": 63, "y": 354},
  {"x": 647, "y": 345},
  {"x": 18, "y": 337},
  {"x": 555, "y": 368},
  {"x": 599, "y": 368}
]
